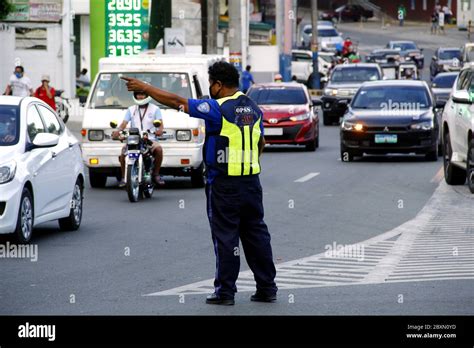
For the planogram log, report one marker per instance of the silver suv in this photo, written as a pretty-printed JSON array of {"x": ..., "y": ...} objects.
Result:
[{"x": 457, "y": 131}]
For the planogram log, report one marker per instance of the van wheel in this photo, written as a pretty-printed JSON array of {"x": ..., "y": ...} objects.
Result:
[
  {"x": 73, "y": 221},
  {"x": 25, "y": 221},
  {"x": 452, "y": 174},
  {"x": 197, "y": 176},
  {"x": 97, "y": 180}
]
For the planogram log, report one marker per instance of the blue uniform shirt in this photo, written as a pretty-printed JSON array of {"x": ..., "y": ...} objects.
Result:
[
  {"x": 210, "y": 111},
  {"x": 247, "y": 80}
]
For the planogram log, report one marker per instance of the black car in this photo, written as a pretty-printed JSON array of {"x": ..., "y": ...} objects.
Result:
[
  {"x": 442, "y": 85},
  {"x": 445, "y": 59},
  {"x": 347, "y": 13},
  {"x": 343, "y": 84},
  {"x": 409, "y": 52},
  {"x": 391, "y": 117}
]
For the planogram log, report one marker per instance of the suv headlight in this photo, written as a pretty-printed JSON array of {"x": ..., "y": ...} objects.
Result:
[
  {"x": 423, "y": 126},
  {"x": 301, "y": 117},
  {"x": 183, "y": 135},
  {"x": 330, "y": 91},
  {"x": 349, "y": 126},
  {"x": 7, "y": 172}
]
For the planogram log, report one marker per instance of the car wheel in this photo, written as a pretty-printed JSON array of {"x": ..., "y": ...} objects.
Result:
[
  {"x": 452, "y": 174},
  {"x": 197, "y": 177},
  {"x": 432, "y": 155},
  {"x": 317, "y": 139},
  {"x": 97, "y": 180},
  {"x": 470, "y": 166},
  {"x": 346, "y": 154},
  {"x": 311, "y": 146},
  {"x": 73, "y": 221},
  {"x": 25, "y": 221}
]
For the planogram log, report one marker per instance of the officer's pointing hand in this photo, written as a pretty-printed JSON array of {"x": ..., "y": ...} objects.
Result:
[{"x": 133, "y": 84}]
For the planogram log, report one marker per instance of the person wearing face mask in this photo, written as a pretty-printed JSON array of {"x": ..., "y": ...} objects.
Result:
[
  {"x": 141, "y": 116},
  {"x": 233, "y": 145},
  {"x": 19, "y": 85},
  {"x": 45, "y": 92},
  {"x": 7, "y": 129}
]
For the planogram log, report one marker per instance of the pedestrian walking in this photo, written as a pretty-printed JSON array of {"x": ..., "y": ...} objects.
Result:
[
  {"x": 247, "y": 79},
  {"x": 19, "y": 85},
  {"x": 233, "y": 145},
  {"x": 447, "y": 14},
  {"x": 45, "y": 92},
  {"x": 441, "y": 22},
  {"x": 401, "y": 12},
  {"x": 434, "y": 23}
]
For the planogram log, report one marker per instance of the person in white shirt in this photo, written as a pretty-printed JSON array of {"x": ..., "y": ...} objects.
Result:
[
  {"x": 19, "y": 84},
  {"x": 441, "y": 22},
  {"x": 141, "y": 116}
]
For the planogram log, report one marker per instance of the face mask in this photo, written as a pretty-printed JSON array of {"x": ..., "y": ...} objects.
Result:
[
  {"x": 213, "y": 96},
  {"x": 18, "y": 75}
]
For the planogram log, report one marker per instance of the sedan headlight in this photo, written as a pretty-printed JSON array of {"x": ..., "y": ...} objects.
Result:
[
  {"x": 349, "y": 126},
  {"x": 7, "y": 172},
  {"x": 133, "y": 140},
  {"x": 183, "y": 135},
  {"x": 301, "y": 117},
  {"x": 423, "y": 126},
  {"x": 330, "y": 91}
]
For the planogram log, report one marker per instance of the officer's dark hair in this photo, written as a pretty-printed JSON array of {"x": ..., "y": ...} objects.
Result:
[
  {"x": 225, "y": 73},
  {"x": 20, "y": 67},
  {"x": 248, "y": 68}
]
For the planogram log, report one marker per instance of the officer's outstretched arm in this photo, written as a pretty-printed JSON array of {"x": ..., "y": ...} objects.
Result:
[{"x": 174, "y": 101}]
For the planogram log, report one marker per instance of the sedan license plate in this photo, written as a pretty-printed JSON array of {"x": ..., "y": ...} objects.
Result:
[
  {"x": 273, "y": 131},
  {"x": 386, "y": 138}
]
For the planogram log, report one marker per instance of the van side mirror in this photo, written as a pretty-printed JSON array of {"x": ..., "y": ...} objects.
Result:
[{"x": 461, "y": 97}]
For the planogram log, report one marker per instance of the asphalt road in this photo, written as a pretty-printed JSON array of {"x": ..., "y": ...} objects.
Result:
[{"x": 125, "y": 251}]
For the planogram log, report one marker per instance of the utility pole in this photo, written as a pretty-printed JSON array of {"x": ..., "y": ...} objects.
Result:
[
  {"x": 284, "y": 15},
  {"x": 160, "y": 18},
  {"x": 210, "y": 24},
  {"x": 69, "y": 78},
  {"x": 315, "y": 83},
  {"x": 235, "y": 34}
]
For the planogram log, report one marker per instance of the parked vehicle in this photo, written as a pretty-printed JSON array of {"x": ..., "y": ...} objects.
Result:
[
  {"x": 302, "y": 65},
  {"x": 183, "y": 136},
  {"x": 343, "y": 84},
  {"x": 458, "y": 131},
  {"x": 387, "y": 59},
  {"x": 467, "y": 53},
  {"x": 289, "y": 114},
  {"x": 409, "y": 51},
  {"x": 445, "y": 59},
  {"x": 347, "y": 13},
  {"x": 442, "y": 85},
  {"x": 41, "y": 169},
  {"x": 390, "y": 117},
  {"x": 307, "y": 32},
  {"x": 328, "y": 39}
]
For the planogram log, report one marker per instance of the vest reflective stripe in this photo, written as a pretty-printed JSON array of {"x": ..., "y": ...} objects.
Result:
[
  {"x": 256, "y": 134},
  {"x": 234, "y": 152},
  {"x": 247, "y": 150}
]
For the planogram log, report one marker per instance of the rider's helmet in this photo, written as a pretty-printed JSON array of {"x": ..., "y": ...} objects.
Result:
[
  {"x": 141, "y": 98},
  {"x": 278, "y": 78}
]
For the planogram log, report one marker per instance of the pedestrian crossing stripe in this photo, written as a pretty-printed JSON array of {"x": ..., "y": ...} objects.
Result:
[{"x": 438, "y": 244}]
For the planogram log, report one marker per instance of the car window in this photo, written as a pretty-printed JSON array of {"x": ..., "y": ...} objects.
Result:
[
  {"x": 444, "y": 81},
  {"x": 449, "y": 54},
  {"x": 34, "y": 123},
  {"x": 9, "y": 125},
  {"x": 50, "y": 120},
  {"x": 301, "y": 57},
  {"x": 463, "y": 80},
  {"x": 278, "y": 96},
  {"x": 392, "y": 98},
  {"x": 355, "y": 74}
]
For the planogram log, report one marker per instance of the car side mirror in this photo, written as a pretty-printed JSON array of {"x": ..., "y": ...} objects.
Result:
[
  {"x": 461, "y": 97},
  {"x": 43, "y": 140},
  {"x": 440, "y": 104},
  {"x": 317, "y": 102}
]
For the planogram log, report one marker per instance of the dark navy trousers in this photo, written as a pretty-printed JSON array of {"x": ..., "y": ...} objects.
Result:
[{"x": 235, "y": 210}]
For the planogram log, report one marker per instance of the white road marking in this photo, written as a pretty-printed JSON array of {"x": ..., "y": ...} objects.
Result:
[
  {"x": 419, "y": 250},
  {"x": 307, "y": 177}
]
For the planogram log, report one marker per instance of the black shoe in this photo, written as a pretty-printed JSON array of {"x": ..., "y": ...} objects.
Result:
[
  {"x": 263, "y": 298},
  {"x": 214, "y": 299}
]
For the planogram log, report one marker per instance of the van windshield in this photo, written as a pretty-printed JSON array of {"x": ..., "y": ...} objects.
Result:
[{"x": 110, "y": 91}]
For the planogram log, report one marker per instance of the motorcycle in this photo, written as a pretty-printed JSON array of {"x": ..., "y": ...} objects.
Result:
[
  {"x": 138, "y": 162},
  {"x": 63, "y": 105}
]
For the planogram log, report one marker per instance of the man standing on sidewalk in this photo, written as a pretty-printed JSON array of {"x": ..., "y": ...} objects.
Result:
[
  {"x": 234, "y": 142},
  {"x": 402, "y": 12}
]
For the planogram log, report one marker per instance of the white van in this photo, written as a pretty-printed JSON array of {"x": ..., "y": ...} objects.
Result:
[{"x": 183, "y": 137}]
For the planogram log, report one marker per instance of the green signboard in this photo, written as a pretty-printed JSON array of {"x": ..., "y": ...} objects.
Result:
[{"x": 118, "y": 28}]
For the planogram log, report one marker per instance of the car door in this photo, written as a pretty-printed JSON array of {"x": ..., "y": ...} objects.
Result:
[
  {"x": 63, "y": 161},
  {"x": 455, "y": 109},
  {"x": 39, "y": 162},
  {"x": 462, "y": 117}
]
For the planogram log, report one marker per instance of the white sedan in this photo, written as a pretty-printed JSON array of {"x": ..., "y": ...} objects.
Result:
[{"x": 41, "y": 169}]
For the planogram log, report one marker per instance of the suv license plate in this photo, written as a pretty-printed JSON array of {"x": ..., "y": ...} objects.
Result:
[{"x": 386, "y": 138}]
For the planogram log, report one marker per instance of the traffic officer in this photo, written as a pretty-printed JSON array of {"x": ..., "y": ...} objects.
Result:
[{"x": 234, "y": 142}]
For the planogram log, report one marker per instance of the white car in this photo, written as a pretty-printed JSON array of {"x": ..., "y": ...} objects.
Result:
[
  {"x": 302, "y": 65},
  {"x": 458, "y": 136},
  {"x": 41, "y": 169}
]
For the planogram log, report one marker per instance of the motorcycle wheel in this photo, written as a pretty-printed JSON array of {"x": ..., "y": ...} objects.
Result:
[{"x": 133, "y": 185}]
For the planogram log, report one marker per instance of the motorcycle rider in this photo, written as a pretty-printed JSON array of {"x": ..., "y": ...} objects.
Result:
[{"x": 141, "y": 116}]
